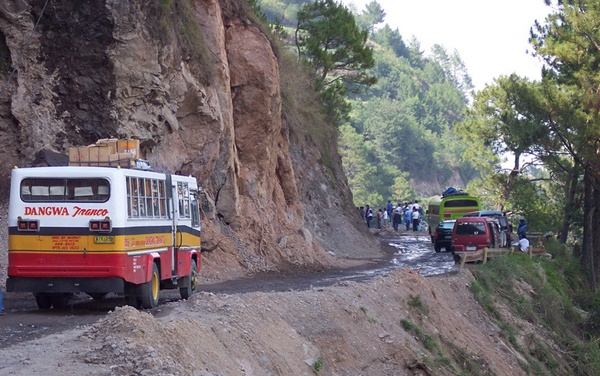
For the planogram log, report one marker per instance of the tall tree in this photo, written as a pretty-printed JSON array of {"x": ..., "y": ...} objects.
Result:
[
  {"x": 372, "y": 16},
  {"x": 392, "y": 39},
  {"x": 454, "y": 68},
  {"x": 328, "y": 38},
  {"x": 507, "y": 117},
  {"x": 569, "y": 43}
]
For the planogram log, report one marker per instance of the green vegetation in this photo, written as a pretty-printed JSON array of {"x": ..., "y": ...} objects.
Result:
[
  {"x": 469, "y": 363},
  {"x": 334, "y": 47},
  {"x": 400, "y": 129},
  {"x": 420, "y": 122},
  {"x": 370, "y": 319},
  {"x": 318, "y": 366},
  {"x": 552, "y": 127},
  {"x": 418, "y": 305},
  {"x": 547, "y": 294},
  {"x": 428, "y": 341}
]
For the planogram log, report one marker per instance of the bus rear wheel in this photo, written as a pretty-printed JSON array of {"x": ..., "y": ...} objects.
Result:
[
  {"x": 191, "y": 282},
  {"x": 44, "y": 301},
  {"x": 57, "y": 300},
  {"x": 97, "y": 295},
  {"x": 61, "y": 300},
  {"x": 149, "y": 290}
]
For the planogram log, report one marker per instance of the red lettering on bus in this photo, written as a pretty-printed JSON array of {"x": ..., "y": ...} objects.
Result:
[
  {"x": 63, "y": 211},
  {"x": 89, "y": 212},
  {"x": 47, "y": 210}
]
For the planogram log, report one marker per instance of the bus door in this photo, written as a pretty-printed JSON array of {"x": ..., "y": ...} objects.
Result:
[{"x": 174, "y": 215}]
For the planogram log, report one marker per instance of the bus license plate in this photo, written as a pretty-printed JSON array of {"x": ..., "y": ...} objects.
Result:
[
  {"x": 105, "y": 239},
  {"x": 471, "y": 248}
]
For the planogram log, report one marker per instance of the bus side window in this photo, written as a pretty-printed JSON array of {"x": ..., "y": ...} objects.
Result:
[
  {"x": 57, "y": 193},
  {"x": 40, "y": 192},
  {"x": 25, "y": 192},
  {"x": 83, "y": 193},
  {"x": 102, "y": 192},
  {"x": 163, "y": 199}
]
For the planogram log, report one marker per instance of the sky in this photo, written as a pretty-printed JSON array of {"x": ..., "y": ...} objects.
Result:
[{"x": 490, "y": 36}]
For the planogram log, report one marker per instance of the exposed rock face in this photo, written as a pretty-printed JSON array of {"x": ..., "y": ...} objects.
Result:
[{"x": 200, "y": 87}]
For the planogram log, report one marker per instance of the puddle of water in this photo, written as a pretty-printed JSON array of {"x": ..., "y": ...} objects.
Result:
[{"x": 416, "y": 252}]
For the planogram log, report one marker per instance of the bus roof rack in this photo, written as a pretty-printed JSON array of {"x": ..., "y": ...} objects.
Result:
[{"x": 454, "y": 192}]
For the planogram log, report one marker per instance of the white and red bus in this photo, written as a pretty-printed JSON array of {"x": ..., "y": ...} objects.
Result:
[{"x": 99, "y": 230}]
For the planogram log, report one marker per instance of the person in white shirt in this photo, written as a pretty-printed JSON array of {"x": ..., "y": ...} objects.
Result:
[
  {"x": 385, "y": 219},
  {"x": 524, "y": 244},
  {"x": 416, "y": 218}
]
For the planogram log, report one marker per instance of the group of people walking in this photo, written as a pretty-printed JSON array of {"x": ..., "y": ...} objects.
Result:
[{"x": 407, "y": 215}]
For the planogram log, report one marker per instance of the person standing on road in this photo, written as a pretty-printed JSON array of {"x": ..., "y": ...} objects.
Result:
[
  {"x": 368, "y": 215},
  {"x": 416, "y": 218},
  {"x": 390, "y": 209},
  {"x": 522, "y": 229},
  {"x": 418, "y": 206},
  {"x": 385, "y": 219},
  {"x": 397, "y": 218},
  {"x": 407, "y": 216},
  {"x": 379, "y": 218}
]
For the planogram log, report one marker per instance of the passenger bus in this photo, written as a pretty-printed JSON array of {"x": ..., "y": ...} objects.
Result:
[
  {"x": 102, "y": 229},
  {"x": 450, "y": 206}
]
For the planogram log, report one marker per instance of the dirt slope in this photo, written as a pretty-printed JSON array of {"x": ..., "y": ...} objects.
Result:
[{"x": 347, "y": 329}]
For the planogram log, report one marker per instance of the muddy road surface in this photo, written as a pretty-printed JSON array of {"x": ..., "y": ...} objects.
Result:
[{"x": 24, "y": 321}]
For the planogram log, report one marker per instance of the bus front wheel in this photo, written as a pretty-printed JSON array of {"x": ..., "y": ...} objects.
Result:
[{"x": 149, "y": 290}]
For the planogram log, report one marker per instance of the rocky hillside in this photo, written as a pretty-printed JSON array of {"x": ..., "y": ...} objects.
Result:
[{"x": 207, "y": 93}]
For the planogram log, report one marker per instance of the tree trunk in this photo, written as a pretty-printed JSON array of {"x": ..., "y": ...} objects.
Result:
[
  {"x": 570, "y": 191},
  {"x": 587, "y": 257},
  {"x": 510, "y": 182},
  {"x": 596, "y": 233}
]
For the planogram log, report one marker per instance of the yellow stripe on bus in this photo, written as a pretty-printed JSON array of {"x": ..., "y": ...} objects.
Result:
[{"x": 77, "y": 243}]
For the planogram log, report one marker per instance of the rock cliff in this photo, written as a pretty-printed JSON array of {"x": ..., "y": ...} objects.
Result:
[{"x": 200, "y": 84}]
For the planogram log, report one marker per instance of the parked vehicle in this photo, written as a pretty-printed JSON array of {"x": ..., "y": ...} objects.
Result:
[
  {"x": 101, "y": 229},
  {"x": 474, "y": 233},
  {"x": 505, "y": 226},
  {"x": 450, "y": 206},
  {"x": 442, "y": 236}
]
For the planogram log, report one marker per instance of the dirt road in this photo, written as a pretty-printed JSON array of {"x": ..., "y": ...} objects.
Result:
[{"x": 24, "y": 321}]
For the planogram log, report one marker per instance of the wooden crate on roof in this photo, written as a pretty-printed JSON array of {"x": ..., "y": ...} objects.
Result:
[{"x": 108, "y": 152}]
